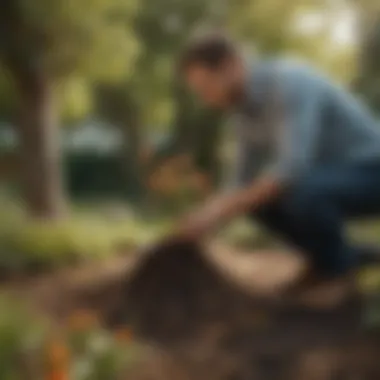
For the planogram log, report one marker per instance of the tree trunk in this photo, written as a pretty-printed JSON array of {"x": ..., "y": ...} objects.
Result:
[
  {"x": 132, "y": 159},
  {"x": 367, "y": 82},
  {"x": 40, "y": 155}
]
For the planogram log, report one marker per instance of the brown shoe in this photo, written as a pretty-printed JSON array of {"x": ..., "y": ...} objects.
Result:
[{"x": 315, "y": 291}]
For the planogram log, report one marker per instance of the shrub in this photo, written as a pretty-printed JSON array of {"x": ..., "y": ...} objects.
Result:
[
  {"x": 28, "y": 245},
  {"x": 32, "y": 349},
  {"x": 21, "y": 336},
  {"x": 95, "y": 353}
]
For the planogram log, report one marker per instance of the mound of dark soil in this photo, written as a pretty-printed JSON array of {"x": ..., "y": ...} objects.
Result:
[
  {"x": 178, "y": 300},
  {"x": 175, "y": 292}
]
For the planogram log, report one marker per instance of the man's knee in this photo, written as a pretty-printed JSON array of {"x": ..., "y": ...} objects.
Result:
[{"x": 308, "y": 203}]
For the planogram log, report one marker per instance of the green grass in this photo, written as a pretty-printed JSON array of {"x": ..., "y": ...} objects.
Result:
[
  {"x": 96, "y": 232},
  {"x": 87, "y": 235},
  {"x": 31, "y": 348},
  {"x": 246, "y": 234}
]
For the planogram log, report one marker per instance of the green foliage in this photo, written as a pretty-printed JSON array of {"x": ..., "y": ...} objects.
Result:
[
  {"x": 162, "y": 27},
  {"x": 7, "y": 95},
  {"x": 273, "y": 27},
  {"x": 30, "y": 348},
  {"x": 98, "y": 355},
  {"x": 28, "y": 245},
  {"x": 20, "y": 336},
  {"x": 64, "y": 35},
  {"x": 75, "y": 42},
  {"x": 269, "y": 24},
  {"x": 75, "y": 99},
  {"x": 367, "y": 82}
]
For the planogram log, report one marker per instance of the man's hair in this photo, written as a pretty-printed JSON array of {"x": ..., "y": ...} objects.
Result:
[{"x": 209, "y": 50}]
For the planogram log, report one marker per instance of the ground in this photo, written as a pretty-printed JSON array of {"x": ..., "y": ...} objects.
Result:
[{"x": 217, "y": 315}]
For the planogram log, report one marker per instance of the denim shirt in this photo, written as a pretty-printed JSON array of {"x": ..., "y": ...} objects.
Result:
[{"x": 293, "y": 119}]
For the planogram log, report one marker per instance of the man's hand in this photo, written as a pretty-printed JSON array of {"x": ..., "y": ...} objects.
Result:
[
  {"x": 204, "y": 220},
  {"x": 224, "y": 208}
]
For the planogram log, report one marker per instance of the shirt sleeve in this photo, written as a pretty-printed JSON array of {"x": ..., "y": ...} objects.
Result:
[{"x": 298, "y": 128}]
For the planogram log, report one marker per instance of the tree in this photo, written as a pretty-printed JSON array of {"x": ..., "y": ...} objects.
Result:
[
  {"x": 42, "y": 43},
  {"x": 117, "y": 104},
  {"x": 152, "y": 98},
  {"x": 367, "y": 83},
  {"x": 163, "y": 27}
]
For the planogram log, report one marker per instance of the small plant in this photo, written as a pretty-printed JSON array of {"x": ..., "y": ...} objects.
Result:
[
  {"x": 81, "y": 350},
  {"x": 21, "y": 338},
  {"x": 95, "y": 354}
]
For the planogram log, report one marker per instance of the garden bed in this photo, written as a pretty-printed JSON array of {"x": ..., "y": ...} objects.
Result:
[{"x": 203, "y": 315}]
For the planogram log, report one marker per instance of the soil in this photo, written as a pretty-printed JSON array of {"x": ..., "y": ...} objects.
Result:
[{"x": 213, "y": 313}]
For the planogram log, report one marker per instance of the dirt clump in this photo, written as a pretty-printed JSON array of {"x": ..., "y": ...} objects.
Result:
[{"x": 176, "y": 299}]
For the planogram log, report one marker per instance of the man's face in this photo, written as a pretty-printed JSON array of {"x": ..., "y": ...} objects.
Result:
[{"x": 214, "y": 87}]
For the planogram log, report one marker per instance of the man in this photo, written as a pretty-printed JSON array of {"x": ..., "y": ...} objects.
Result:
[{"x": 309, "y": 153}]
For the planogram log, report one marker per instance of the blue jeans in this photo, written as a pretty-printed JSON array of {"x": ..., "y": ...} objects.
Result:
[{"x": 311, "y": 214}]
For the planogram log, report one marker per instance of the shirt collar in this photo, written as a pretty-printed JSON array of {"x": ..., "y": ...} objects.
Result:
[{"x": 254, "y": 84}]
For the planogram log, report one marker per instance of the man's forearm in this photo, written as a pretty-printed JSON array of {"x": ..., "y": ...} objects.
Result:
[
  {"x": 258, "y": 193},
  {"x": 222, "y": 209},
  {"x": 226, "y": 207}
]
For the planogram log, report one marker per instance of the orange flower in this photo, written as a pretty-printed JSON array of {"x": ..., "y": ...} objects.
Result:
[
  {"x": 58, "y": 374},
  {"x": 58, "y": 353},
  {"x": 124, "y": 335},
  {"x": 82, "y": 320},
  {"x": 58, "y": 359}
]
